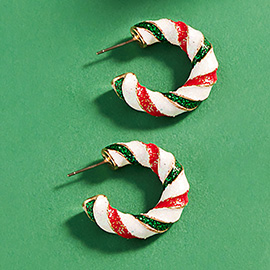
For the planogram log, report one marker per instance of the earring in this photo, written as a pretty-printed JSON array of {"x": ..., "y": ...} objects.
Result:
[
  {"x": 196, "y": 89},
  {"x": 170, "y": 206}
]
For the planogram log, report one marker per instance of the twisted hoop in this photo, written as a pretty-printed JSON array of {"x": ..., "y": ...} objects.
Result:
[
  {"x": 198, "y": 86},
  {"x": 170, "y": 206}
]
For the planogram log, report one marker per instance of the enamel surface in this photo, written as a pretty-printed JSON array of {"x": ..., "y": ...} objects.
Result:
[
  {"x": 167, "y": 211},
  {"x": 203, "y": 59}
]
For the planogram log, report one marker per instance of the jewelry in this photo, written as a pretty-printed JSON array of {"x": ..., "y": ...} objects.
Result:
[
  {"x": 196, "y": 89},
  {"x": 170, "y": 206}
]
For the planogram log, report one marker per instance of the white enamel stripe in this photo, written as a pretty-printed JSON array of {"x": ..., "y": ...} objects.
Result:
[
  {"x": 139, "y": 150},
  {"x": 101, "y": 214},
  {"x": 194, "y": 42},
  {"x": 194, "y": 92},
  {"x": 129, "y": 87},
  {"x": 118, "y": 158},
  {"x": 148, "y": 38},
  {"x": 207, "y": 65},
  {"x": 163, "y": 104},
  {"x": 178, "y": 187},
  {"x": 135, "y": 227},
  {"x": 168, "y": 29},
  {"x": 166, "y": 214},
  {"x": 166, "y": 162}
]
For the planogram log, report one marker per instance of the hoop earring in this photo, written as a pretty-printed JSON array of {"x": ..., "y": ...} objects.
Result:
[
  {"x": 187, "y": 97},
  {"x": 170, "y": 206}
]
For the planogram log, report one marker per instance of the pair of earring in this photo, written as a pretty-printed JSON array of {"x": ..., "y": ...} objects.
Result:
[{"x": 170, "y": 172}]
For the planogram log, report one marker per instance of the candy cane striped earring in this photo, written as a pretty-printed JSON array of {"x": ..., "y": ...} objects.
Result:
[
  {"x": 196, "y": 89},
  {"x": 170, "y": 206}
]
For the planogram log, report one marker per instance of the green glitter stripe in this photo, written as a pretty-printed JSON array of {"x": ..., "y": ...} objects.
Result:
[
  {"x": 186, "y": 103},
  {"x": 118, "y": 87},
  {"x": 205, "y": 48},
  {"x": 153, "y": 29},
  {"x": 89, "y": 209},
  {"x": 124, "y": 151},
  {"x": 157, "y": 225},
  {"x": 173, "y": 174}
]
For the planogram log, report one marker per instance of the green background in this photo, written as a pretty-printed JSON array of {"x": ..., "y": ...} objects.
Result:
[{"x": 58, "y": 111}]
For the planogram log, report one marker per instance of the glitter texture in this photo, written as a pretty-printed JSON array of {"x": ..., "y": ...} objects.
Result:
[
  {"x": 124, "y": 151},
  {"x": 184, "y": 102},
  {"x": 173, "y": 174},
  {"x": 204, "y": 80},
  {"x": 153, "y": 152},
  {"x": 89, "y": 209},
  {"x": 118, "y": 87},
  {"x": 178, "y": 201},
  {"x": 205, "y": 48},
  {"x": 182, "y": 30},
  {"x": 145, "y": 101},
  {"x": 153, "y": 29},
  {"x": 117, "y": 224},
  {"x": 157, "y": 225}
]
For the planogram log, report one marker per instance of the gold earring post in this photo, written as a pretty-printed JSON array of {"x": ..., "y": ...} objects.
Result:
[
  {"x": 116, "y": 46},
  {"x": 88, "y": 168}
]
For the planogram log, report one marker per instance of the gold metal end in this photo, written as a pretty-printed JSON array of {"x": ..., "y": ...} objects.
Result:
[
  {"x": 137, "y": 36},
  {"x": 88, "y": 200},
  {"x": 106, "y": 155},
  {"x": 116, "y": 79}
]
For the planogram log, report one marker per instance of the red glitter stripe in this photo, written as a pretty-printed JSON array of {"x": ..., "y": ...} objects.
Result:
[
  {"x": 145, "y": 101},
  {"x": 179, "y": 201},
  {"x": 153, "y": 152},
  {"x": 207, "y": 79},
  {"x": 182, "y": 30},
  {"x": 117, "y": 224}
]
